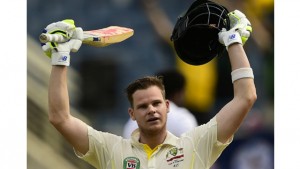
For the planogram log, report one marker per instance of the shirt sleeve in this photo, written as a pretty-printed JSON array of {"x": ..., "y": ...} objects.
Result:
[
  {"x": 206, "y": 144},
  {"x": 100, "y": 146}
]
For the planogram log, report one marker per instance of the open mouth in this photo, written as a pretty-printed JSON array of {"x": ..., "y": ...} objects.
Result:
[{"x": 152, "y": 119}]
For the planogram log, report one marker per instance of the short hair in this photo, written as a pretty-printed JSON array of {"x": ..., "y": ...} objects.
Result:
[
  {"x": 173, "y": 80},
  {"x": 144, "y": 83}
]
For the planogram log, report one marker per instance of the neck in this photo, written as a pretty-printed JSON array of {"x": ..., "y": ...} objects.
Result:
[{"x": 153, "y": 140}]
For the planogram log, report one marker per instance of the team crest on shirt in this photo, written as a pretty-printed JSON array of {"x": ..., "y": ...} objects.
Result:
[
  {"x": 131, "y": 163},
  {"x": 175, "y": 156}
]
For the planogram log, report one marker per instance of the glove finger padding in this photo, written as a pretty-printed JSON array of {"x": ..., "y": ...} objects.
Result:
[
  {"x": 236, "y": 17},
  {"x": 65, "y": 28},
  {"x": 75, "y": 44},
  {"x": 240, "y": 23},
  {"x": 47, "y": 49},
  {"x": 78, "y": 33},
  {"x": 245, "y": 34},
  {"x": 76, "y": 40},
  {"x": 60, "y": 52}
]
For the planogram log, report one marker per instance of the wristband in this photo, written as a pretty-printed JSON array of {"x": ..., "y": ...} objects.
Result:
[{"x": 242, "y": 73}]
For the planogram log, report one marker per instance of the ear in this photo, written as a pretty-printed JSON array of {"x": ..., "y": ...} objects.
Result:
[
  {"x": 131, "y": 113},
  {"x": 168, "y": 105}
]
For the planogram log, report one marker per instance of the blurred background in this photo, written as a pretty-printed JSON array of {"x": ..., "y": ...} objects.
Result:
[{"x": 98, "y": 76}]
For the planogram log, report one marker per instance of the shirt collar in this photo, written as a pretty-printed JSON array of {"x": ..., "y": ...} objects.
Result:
[{"x": 170, "y": 139}]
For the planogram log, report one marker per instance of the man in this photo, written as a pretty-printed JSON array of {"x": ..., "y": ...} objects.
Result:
[
  {"x": 179, "y": 119},
  {"x": 152, "y": 146}
]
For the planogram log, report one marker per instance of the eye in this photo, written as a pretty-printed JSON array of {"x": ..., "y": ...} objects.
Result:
[
  {"x": 142, "y": 106},
  {"x": 156, "y": 103}
]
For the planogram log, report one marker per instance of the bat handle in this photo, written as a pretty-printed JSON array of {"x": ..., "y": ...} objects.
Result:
[{"x": 46, "y": 37}]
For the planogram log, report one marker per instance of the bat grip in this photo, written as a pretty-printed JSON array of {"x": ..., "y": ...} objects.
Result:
[{"x": 46, "y": 37}]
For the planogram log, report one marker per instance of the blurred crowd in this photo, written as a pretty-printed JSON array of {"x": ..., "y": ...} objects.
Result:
[{"x": 150, "y": 50}]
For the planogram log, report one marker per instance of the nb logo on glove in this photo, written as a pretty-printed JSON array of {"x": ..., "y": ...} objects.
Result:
[
  {"x": 232, "y": 36},
  {"x": 63, "y": 59}
]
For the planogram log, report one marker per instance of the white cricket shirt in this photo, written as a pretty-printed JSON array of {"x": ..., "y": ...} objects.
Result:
[{"x": 196, "y": 149}]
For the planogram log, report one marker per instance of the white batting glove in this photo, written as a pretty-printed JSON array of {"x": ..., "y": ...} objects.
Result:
[
  {"x": 241, "y": 24},
  {"x": 60, "y": 52},
  {"x": 230, "y": 37}
]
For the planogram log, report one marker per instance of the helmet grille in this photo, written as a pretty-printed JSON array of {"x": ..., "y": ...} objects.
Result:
[{"x": 195, "y": 34}]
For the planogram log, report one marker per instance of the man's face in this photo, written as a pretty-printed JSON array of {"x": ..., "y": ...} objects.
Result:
[{"x": 149, "y": 110}]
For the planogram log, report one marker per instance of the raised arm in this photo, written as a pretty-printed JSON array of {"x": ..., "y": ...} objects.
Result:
[
  {"x": 73, "y": 129},
  {"x": 232, "y": 114},
  {"x": 230, "y": 117}
]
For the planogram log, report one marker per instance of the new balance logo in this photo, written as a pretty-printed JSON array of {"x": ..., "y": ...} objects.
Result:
[
  {"x": 64, "y": 58},
  {"x": 232, "y": 36}
]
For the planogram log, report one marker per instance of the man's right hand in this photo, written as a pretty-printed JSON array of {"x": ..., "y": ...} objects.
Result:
[{"x": 60, "y": 52}]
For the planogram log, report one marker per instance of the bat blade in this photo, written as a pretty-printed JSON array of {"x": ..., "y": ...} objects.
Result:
[
  {"x": 106, "y": 36},
  {"x": 97, "y": 38}
]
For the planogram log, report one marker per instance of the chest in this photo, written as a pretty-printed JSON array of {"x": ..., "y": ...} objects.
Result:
[{"x": 171, "y": 157}]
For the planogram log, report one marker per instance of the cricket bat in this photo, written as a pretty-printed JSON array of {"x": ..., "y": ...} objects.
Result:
[{"x": 97, "y": 38}]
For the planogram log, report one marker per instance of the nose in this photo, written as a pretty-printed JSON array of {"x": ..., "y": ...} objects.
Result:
[{"x": 151, "y": 109}]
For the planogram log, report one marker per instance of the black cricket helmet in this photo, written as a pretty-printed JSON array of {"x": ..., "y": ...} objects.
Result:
[{"x": 195, "y": 35}]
